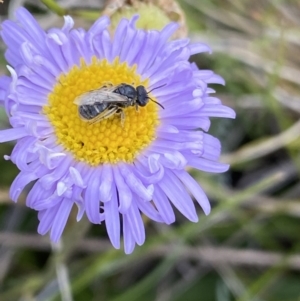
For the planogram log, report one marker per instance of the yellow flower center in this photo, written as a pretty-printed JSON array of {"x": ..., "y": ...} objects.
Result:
[{"x": 106, "y": 141}]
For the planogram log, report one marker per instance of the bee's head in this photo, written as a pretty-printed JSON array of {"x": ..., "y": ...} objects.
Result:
[{"x": 143, "y": 98}]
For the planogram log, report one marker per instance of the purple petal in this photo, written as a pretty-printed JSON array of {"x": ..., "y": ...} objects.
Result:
[
  {"x": 47, "y": 219},
  {"x": 119, "y": 35},
  {"x": 129, "y": 242},
  {"x": 124, "y": 193},
  {"x": 112, "y": 219},
  {"x": 77, "y": 177},
  {"x": 105, "y": 189},
  {"x": 188, "y": 123},
  {"x": 19, "y": 183},
  {"x": 12, "y": 134},
  {"x": 152, "y": 166},
  {"x": 163, "y": 206},
  {"x": 69, "y": 24},
  {"x": 215, "y": 111},
  {"x": 135, "y": 184},
  {"x": 92, "y": 197},
  {"x": 178, "y": 196},
  {"x": 207, "y": 165},
  {"x": 148, "y": 209},
  {"x": 195, "y": 189},
  {"x": 198, "y": 48},
  {"x": 60, "y": 220},
  {"x": 30, "y": 24},
  {"x": 136, "y": 224}
]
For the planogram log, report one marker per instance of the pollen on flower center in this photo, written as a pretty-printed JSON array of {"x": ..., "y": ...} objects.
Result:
[{"x": 107, "y": 141}]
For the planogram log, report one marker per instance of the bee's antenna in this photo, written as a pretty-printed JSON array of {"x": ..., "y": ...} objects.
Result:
[
  {"x": 155, "y": 88},
  {"x": 157, "y": 103}
]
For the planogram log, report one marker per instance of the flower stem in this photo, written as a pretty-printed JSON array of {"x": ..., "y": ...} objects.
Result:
[
  {"x": 61, "y": 272},
  {"x": 52, "y": 5}
]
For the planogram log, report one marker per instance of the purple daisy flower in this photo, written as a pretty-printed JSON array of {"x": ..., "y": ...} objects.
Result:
[{"x": 108, "y": 168}]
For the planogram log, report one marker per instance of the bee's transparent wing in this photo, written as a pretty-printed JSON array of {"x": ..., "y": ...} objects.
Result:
[
  {"x": 102, "y": 95},
  {"x": 108, "y": 87},
  {"x": 99, "y": 96}
]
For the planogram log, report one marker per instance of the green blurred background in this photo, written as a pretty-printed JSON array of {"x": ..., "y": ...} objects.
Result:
[{"x": 248, "y": 248}]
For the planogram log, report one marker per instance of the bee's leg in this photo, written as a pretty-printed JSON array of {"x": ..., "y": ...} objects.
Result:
[
  {"x": 121, "y": 112},
  {"x": 137, "y": 108}
]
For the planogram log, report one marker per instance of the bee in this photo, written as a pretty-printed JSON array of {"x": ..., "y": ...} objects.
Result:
[{"x": 102, "y": 103}]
